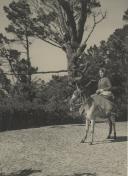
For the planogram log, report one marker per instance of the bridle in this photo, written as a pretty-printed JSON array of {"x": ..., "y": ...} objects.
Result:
[
  {"x": 81, "y": 97},
  {"x": 77, "y": 94}
]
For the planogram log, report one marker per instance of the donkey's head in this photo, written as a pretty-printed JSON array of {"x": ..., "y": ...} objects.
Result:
[
  {"x": 80, "y": 96},
  {"x": 75, "y": 99}
]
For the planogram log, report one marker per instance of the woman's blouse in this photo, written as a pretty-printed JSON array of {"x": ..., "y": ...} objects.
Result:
[{"x": 105, "y": 84}]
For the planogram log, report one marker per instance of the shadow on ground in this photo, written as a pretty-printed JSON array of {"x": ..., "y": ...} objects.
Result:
[
  {"x": 118, "y": 139},
  {"x": 25, "y": 172},
  {"x": 121, "y": 139},
  {"x": 79, "y": 174},
  {"x": 82, "y": 174},
  {"x": 58, "y": 126}
]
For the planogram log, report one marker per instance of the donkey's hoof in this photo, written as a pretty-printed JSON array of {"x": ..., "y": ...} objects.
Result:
[
  {"x": 90, "y": 143},
  {"x": 82, "y": 141},
  {"x": 115, "y": 138},
  {"x": 108, "y": 137}
]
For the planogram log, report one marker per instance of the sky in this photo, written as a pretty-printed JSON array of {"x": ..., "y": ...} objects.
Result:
[{"x": 47, "y": 57}]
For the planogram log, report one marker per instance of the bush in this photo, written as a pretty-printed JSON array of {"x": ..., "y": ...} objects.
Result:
[{"x": 17, "y": 114}]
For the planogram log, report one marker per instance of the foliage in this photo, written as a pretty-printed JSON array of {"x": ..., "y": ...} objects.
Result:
[
  {"x": 62, "y": 23},
  {"x": 19, "y": 15},
  {"x": 4, "y": 81},
  {"x": 18, "y": 112},
  {"x": 21, "y": 26},
  {"x": 51, "y": 14},
  {"x": 125, "y": 16},
  {"x": 112, "y": 55},
  {"x": 55, "y": 93},
  {"x": 48, "y": 106},
  {"x": 18, "y": 68}
]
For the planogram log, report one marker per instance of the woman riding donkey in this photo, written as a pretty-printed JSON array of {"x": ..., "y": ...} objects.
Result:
[{"x": 101, "y": 103}]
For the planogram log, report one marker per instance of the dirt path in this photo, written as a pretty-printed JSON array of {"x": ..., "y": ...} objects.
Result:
[{"x": 56, "y": 151}]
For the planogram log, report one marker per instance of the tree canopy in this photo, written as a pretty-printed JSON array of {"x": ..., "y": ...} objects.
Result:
[
  {"x": 64, "y": 24},
  {"x": 125, "y": 16}
]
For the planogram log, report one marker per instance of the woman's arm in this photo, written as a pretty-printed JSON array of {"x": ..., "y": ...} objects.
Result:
[
  {"x": 107, "y": 85},
  {"x": 98, "y": 88}
]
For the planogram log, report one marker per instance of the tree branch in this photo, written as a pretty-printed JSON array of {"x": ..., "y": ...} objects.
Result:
[
  {"x": 83, "y": 46},
  {"x": 62, "y": 21},
  {"x": 70, "y": 18},
  {"x": 42, "y": 72},
  {"x": 82, "y": 19},
  {"x": 60, "y": 28},
  {"x": 49, "y": 42}
]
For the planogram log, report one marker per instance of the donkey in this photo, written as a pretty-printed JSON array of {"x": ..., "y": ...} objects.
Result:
[{"x": 90, "y": 110}]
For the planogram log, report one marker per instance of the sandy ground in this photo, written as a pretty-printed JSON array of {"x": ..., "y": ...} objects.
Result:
[{"x": 57, "y": 151}]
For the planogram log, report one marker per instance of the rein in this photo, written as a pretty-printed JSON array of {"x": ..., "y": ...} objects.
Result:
[
  {"x": 80, "y": 100},
  {"x": 76, "y": 106}
]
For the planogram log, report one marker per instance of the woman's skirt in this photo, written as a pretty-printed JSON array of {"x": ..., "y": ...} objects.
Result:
[{"x": 104, "y": 102}]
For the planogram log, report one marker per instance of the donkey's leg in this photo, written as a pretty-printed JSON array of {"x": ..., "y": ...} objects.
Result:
[
  {"x": 92, "y": 131},
  {"x": 86, "y": 131},
  {"x": 110, "y": 128},
  {"x": 113, "y": 119},
  {"x": 114, "y": 128}
]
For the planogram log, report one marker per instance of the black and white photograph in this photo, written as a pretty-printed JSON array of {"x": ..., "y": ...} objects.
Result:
[{"x": 63, "y": 87}]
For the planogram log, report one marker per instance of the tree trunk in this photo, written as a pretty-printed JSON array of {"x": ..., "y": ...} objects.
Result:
[
  {"x": 29, "y": 66},
  {"x": 72, "y": 64},
  {"x": 28, "y": 59}
]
